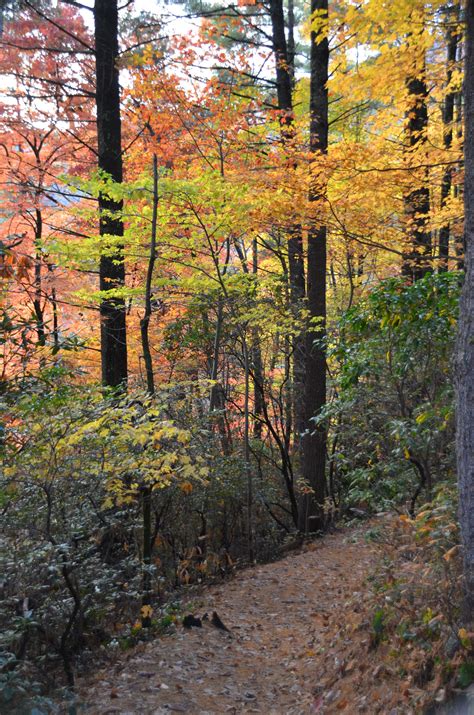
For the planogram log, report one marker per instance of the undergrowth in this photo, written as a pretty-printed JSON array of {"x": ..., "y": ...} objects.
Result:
[{"x": 415, "y": 604}]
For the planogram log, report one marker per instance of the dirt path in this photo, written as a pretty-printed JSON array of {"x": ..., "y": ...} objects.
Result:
[{"x": 289, "y": 652}]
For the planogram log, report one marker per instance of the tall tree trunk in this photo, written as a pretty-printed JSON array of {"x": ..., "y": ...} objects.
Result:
[
  {"x": 145, "y": 321},
  {"x": 291, "y": 45},
  {"x": 38, "y": 294},
  {"x": 218, "y": 395},
  {"x": 465, "y": 344},
  {"x": 417, "y": 260},
  {"x": 284, "y": 60},
  {"x": 452, "y": 36},
  {"x": 112, "y": 267},
  {"x": 282, "y": 65},
  {"x": 248, "y": 466},
  {"x": 258, "y": 386},
  {"x": 314, "y": 440},
  {"x": 459, "y": 169},
  {"x": 147, "y": 550},
  {"x": 297, "y": 299}
]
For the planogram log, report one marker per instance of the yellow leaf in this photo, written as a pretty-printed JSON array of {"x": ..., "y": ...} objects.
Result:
[{"x": 464, "y": 637}]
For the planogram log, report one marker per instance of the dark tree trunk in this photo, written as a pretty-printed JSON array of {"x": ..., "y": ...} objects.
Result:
[
  {"x": 417, "y": 260},
  {"x": 291, "y": 46},
  {"x": 459, "y": 169},
  {"x": 282, "y": 63},
  {"x": 37, "y": 301},
  {"x": 145, "y": 321},
  {"x": 248, "y": 466},
  {"x": 297, "y": 298},
  {"x": 258, "y": 384},
  {"x": 218, "y": 394},
  {"x": 112, "y": 268},
  {"x": 284, "y": 60},
  {"x": 452, "y": 15},
  {"x": 147, "y": 554},
  {"x": 465, "y": 344},
  {"x": 311, "y": 516}
]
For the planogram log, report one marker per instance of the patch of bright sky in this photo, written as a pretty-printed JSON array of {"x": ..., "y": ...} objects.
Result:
[{"x": 177, "y": 23}]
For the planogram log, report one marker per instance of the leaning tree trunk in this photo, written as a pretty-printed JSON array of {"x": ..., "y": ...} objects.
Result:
[
  {"x": 311, "y": 517},
  {"x": 112, "y": 268},
  {"x": 465, "y": 343}
]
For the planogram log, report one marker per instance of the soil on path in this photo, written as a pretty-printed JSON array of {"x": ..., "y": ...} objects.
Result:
[{"x": 290, "y": 650}]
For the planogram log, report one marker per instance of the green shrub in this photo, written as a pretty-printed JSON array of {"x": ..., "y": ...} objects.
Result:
[{"x": 391, "y": 414}]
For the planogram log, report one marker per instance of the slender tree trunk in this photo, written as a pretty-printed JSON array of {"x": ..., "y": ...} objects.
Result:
[
  {"x": 112, "y": 267},
  {"x": 147, "y": 553},
  {"x": 452, "y": 15},
  {"x": 465, "y": 343},
  {"x": 258, "y": 386},
  {"x": 458, "y": 185},
  {"x": 248, "y": 466},
  {"x": 150, "y": 384},
  {"x": 39, "y": 312},
  {"x": 145, "y": 321},
  {"x": 417, "y": 260},
  {"x": 214, "y": 397},
  {"x": 54, "y": 305},
  {"x": 218, "y": 396},
  {"x": 311, "y": 516}
]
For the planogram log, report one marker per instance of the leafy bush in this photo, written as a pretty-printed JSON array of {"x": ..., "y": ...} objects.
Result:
[
  {"x": 392, "y": 410},
  {"x": 106, "y": 507}
]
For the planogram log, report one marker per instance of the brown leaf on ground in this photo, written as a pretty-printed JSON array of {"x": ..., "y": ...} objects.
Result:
[{"x": 301, "y": 630}]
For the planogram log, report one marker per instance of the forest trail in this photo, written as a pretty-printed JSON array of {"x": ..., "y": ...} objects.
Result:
[{"x": 290, "y": 651}]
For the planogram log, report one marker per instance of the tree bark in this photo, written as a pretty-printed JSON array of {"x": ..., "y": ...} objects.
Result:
[
  {"x": 291, "y": 45},
  {"x": 465, "y": 342},
  {"x": 147, "y": 553},
  {"x": 145, "y": 321},
  {"x": 417, "y": 260},
  {"x": 452, "y": 15},
  {"x": 248, "y": 466},
  {"x": 38, "y": 294},
  {"x": 282, "y": 64},
  {"x": 112, "y": 267},
  {"x": 284, "y": 60},
  {"x": 258, "y": 382},
  {"x": 311, "y": 516}
]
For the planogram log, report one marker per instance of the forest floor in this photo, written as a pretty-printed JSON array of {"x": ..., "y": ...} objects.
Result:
[{"x": 299, "y": 643}]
